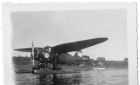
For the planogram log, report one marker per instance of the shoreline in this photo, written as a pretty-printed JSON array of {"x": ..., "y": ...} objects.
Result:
[{"x": 81, "y": 68}]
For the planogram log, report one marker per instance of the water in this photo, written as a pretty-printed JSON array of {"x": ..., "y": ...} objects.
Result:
[{"x": 90, "y": 77}]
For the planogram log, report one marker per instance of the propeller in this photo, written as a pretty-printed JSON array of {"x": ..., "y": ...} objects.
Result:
[{"x": 32, "y": 53}]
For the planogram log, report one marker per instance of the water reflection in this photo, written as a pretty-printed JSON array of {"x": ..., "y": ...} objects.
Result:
[
  {"x": 91, "y": 77},
  {"x": 59, "y": 79}
]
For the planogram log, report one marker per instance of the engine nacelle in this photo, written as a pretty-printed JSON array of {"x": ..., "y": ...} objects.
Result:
[
  {"x": 43, "y": 54},
  {"x": 37, "y": 55}
]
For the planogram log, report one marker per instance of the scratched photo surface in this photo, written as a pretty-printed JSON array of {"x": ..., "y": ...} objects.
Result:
[{"x": 70, "y": 47}]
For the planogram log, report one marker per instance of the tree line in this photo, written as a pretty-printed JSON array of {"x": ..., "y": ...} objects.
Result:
[{"x": 21, "y": 60}]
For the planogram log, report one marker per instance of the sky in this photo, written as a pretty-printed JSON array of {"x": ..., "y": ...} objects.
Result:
[{"x": 57, "y": 27}]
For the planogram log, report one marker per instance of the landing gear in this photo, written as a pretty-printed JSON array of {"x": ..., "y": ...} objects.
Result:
[
  {"x": 55, "y": 63},
  {"x": 50, "y": 63},
  {"x": 38, "y": 67},
  {"x": 35, "y": 71}
]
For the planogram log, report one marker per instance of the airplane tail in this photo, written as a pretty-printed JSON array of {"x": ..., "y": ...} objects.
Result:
[{"x": 78, "y": 54}]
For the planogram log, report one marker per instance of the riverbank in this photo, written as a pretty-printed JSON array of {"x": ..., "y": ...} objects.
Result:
[
  {"x": 24, "y": 63},
  {"x": 115, "y": 66}
]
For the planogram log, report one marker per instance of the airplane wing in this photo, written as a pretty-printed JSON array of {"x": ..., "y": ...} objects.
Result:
[
  {"x": 69, "y": 47},
  {"x": 27, "y": 49},
  {"x": 74, "y": 46}
]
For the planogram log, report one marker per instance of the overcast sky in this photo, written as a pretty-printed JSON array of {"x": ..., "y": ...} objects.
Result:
[{"x": 57, "y": 27}]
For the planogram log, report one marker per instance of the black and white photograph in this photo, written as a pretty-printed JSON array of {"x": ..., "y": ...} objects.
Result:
[{"x": 69, "y": 44}]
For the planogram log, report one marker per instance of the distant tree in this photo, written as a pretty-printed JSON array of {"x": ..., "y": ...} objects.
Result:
[
  {"x": 21, "y": 60},
  {"x": 100, "y": 59},
  {"x": 125, "y": 59},
  {"x": 92, "y": 59}
]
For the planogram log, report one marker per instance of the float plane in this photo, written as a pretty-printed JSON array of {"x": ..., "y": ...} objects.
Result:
[{"x": 49, "y": 55}]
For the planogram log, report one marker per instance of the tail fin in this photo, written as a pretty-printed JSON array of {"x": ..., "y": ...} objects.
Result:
[{"x": 78, "y": 53}]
